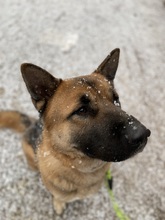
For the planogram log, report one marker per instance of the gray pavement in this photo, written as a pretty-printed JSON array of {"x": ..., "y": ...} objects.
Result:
[{"x": 70, "y": 38}]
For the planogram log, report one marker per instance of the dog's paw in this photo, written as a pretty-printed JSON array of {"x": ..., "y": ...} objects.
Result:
[{"x": 59, "y": 206}]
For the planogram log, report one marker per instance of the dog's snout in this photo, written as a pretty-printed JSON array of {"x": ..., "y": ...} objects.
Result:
[
  {"x": 135, "y": 132},
  {"x": 137, "y": 137}
]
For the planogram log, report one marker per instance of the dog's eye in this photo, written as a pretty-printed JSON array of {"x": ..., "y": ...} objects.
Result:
[
  {"x": 81, "y": 111},
  {"x": 85, "y": 111}
]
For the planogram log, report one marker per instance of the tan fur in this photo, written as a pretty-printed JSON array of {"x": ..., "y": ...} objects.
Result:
[
  {"x": 15, "y": 121},
  {"x": 30, "y": 155},
  {"x": 66, "y": 172},
  {"x": 69, "y": 177},
  {"x": 12, "y": 120}
]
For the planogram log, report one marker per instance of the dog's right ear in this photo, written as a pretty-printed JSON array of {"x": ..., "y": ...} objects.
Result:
[
  {"x": 40, "y": 84},
  {"x": 109, "y": 66}
]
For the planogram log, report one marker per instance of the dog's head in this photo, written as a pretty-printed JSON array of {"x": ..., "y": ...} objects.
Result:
[{"x": 83, "y": 115}]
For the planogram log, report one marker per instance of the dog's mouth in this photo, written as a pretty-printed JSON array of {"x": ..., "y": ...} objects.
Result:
[
  {"x": 138, "y": 149},
  {"x": 122, "y": 155}
]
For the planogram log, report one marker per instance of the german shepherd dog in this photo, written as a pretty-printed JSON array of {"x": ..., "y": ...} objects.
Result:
[{"x": 81, "y": 129}]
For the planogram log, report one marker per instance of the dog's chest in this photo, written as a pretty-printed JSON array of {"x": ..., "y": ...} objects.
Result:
[{"x": 71, "y": 175}]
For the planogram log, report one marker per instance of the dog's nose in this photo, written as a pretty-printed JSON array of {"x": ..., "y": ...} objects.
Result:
[{"x": 135, "y": 133}]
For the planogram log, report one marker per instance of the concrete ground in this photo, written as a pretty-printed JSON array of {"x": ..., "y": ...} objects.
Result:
[{"x": 71, "y": 38}]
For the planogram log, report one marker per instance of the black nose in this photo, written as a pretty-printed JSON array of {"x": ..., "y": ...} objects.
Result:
[{"x": 136, "y": 134}]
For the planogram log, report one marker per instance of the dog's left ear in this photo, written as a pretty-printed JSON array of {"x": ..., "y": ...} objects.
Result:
[
  {"x": 109, "y": 66},
  {"x": 40, "y": 84}
]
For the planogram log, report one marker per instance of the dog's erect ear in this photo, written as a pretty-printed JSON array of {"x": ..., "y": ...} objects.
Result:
[
  {"x": 40, "y": 84},
  {"x": 109, "y": 66}
]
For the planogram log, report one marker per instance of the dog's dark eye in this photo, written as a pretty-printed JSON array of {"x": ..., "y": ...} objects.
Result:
[
  {"x": 81, "y": 111},
  {"x": 85, "y": 111}
]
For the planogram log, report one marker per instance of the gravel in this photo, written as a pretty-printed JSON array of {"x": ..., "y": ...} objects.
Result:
[{"x": 70, "y": 38}]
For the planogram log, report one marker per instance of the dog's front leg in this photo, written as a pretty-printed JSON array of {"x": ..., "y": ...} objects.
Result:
[{"x": 59, "y": 205}]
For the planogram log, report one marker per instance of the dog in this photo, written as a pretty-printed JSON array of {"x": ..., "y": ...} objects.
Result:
[{"x": 80, "y": 131}]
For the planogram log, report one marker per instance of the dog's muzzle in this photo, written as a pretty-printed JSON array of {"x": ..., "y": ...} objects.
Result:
[
  {"x": 135, "y": 134},
  {"x": 116, "y": 137}
]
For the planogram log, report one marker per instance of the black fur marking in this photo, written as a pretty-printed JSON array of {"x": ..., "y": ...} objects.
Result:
[
  {"x": 84, "y": 100},
  {"x": 115, "y": 137},
  {"x": 33, "y": 135},
  {"x": 26, "y": 120}
]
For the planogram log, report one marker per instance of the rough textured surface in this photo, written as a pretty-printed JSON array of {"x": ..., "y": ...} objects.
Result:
[{"x": 70, "y": 38}]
